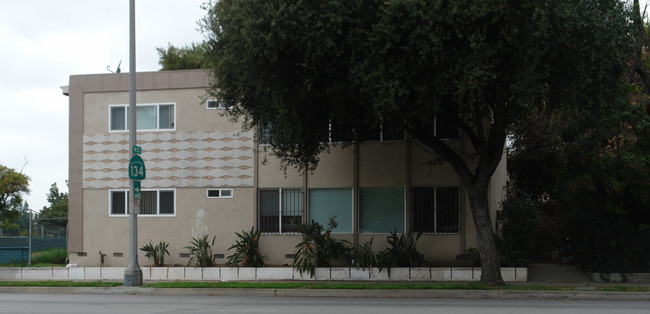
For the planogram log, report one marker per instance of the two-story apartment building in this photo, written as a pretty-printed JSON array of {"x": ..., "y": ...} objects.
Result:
[{"x": 207, "y": 176}]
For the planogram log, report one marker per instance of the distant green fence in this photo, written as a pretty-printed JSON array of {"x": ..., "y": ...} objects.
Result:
[{"x": 17, "y": 248}]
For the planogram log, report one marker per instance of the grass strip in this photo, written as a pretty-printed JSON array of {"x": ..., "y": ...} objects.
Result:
[
  {"x": 624, "y": 289},
  {"x": 55, "y": 283}
]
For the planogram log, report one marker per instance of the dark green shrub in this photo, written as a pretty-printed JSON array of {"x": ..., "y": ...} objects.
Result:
[
  {"x": 363, "y": 256},
  {"x": 474, "y": 256},
  {"x": 156, "y": 252},
  {"x": 50, "y": 256},
  {"x": 201, "y": 252},
  {"x": 402, "y": 252},
  {"x": 518, "y": 239},
  {"x": 318, "y": 248},
  {"x": 247, "y": 253}
]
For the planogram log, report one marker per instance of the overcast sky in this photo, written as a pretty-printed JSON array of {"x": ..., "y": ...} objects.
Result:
[{"x": 46, "y": 41}]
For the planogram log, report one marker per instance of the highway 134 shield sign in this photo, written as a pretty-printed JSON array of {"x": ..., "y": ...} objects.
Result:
[{"x": 136, "y": 168}]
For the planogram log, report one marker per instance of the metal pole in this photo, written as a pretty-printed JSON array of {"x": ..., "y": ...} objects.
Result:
[
  {"x": 132, "y": 273},
  {"x": 29, "y": 256}
]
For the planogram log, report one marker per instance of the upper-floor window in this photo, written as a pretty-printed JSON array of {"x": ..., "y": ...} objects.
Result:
[
  {"x": 215, "y": 104},
  {"x": 149, "y": 117}
]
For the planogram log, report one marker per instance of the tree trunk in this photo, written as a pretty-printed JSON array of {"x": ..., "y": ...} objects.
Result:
[{"x": 490, "y": 261}]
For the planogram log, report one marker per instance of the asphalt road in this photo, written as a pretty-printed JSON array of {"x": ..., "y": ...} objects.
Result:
[{"x": 92, "y": 303}]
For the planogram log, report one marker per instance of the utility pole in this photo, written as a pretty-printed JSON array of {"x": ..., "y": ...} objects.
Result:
[{"x": 132, "y": 273}]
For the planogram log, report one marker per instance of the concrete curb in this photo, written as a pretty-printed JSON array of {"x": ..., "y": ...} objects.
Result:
[{"x": 343, "y": 293}]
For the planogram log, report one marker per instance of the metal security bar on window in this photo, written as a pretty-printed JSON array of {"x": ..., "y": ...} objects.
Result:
[
  {"x": 280, "y": 210},
  {"x": 447, "y": 209},
  {"x": 435, "y": 209}
]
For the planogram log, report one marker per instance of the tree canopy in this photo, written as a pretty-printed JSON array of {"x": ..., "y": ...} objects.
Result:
[
  {"x": 53, "y": 216},
  {"x": 486, "y": 66},
  {"x": 595, "y": 166},
  {"x": 12, "y": 186},
  {"x": 191, "y": 56}
]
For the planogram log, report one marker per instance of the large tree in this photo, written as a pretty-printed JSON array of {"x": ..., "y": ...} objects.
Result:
[
  {"x": 13, "y": 185},
  {"x": 193, "y": 56},
  {"x": 54, "y": 216},
  {"x": 595, "y": 166},
  {"x": 295, "y": 67}
]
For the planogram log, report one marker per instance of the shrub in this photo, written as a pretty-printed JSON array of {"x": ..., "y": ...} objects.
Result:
[
  {"x": 51, "y": 256},
  {"x": 363, "y": 256},
  {"x": 156, "y": 252},
  {"x": 402, "y": 252},
  {"x": 247, "y": 252},
  {"x": 318, "y": 248},
  {"x": 517, "y": 241},
  {"x": 474, "y": 256},
  {"x": 201, "y": 252}
]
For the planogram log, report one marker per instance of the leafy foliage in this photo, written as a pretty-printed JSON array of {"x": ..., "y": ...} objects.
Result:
[
  {"x": 318, "y": 248},
  {"x": 156, "y": 253},
  {"x": 189, "y": 57},
  {"x": 54, "y": 216},
  {"x": 474, "y": 256},
  {"x": 201, "y": 252},
  {"x": 402, "y": 252},
  {"x": 292, "y": 67},
  {"x": 50, "y": 256},
  {"x": 363, "y": 256},
  {"x": 247, "y": 252},
  {"x": 517, "y": 241},
  {"x": 12, "y": 185}
]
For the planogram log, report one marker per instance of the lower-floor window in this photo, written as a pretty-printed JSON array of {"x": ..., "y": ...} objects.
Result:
[
  {"x": 337, "y": 203},
  {"x": 153, "y": 202},
  {"x": 381, "y": 210},
  {"x": 435, "y": 209},
  {"x": 279, "y": 210}
]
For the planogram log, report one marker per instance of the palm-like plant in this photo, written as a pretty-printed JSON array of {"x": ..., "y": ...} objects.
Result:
[
  {"x": 156, "y": 252},
  {"x": 318, "y": 248},
  {"x": 246, "y": 248},
  {"x": 402, "y": 252},
  {"x": 201, "y": 252}
]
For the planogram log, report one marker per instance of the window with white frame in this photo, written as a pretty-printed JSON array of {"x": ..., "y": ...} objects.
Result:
[
  {"x": 435, "y": 209},
  {"x": 215, "y": 104},
  {"x": 149, "y": 117},
  {"x": 279, "y": 210},
  {"x": 219, "y": 193},
  {"x": 153, "y": 203}
]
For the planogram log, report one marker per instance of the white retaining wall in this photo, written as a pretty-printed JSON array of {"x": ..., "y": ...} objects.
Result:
[
  {"x": 620, "y": 277},
  {"x": 258, "y": 274}
]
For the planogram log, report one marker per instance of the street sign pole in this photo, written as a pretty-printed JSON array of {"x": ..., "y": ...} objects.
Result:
[{"x": 132, "y": 273}]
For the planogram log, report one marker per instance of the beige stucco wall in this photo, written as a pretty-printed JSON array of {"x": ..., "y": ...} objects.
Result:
[
  {"x": 196, "y": 215},
  {"x": 192, "y": 148}
]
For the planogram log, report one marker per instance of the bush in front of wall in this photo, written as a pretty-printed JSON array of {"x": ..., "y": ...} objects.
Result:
[
  {"x": 156, "y": 252},
  {"x": 363, "y": 256},
  {"x": 201, "y": 252},
  {"x": 402, "y": 252},
  {"x": 247, "y": 253},
  {"x": 318, "y": 248}
]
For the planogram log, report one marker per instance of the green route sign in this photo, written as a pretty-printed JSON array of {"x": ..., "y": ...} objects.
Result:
[
  {"x": 137, "y": 190},
  {"x": 136, "y": 168},
  {"x": 137, "y": 149}
]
